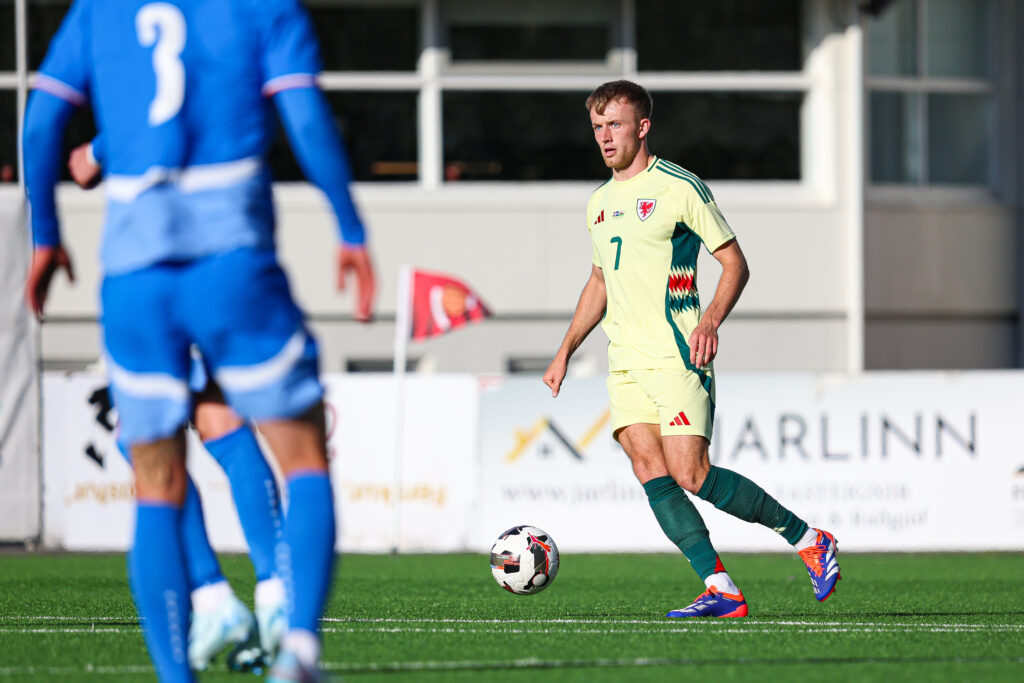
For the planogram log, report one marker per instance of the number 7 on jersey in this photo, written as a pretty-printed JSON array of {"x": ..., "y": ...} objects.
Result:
[{"x": 617, "y": 241}]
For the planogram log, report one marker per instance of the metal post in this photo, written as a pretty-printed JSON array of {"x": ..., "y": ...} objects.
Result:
[
  {"x": 431, "y": 125},
  {"x": 854, "y": 156},
  {"x": 21, "y": 65}
]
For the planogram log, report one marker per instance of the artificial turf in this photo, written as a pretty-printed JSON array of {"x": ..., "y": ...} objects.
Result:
[{"x": 443, "y": 618}]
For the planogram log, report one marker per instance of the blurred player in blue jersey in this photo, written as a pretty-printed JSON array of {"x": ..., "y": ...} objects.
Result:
[
  {"x": 219, "y": 619},
  {"x": 182, "y": 88}
]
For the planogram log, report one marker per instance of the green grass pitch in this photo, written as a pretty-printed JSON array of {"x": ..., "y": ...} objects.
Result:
[{"x": 896, "y": 617}]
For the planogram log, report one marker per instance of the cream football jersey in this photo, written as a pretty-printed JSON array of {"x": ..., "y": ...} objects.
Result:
[{"x": 647, "y": 232}]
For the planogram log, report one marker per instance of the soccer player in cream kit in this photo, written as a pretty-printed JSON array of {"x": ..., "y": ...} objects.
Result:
[{"x": 647, "y": 224}]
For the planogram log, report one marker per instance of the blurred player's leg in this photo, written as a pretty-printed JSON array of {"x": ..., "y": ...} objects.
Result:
[
  {"x": 219, "y": 619},
  {"x": 201, "y": 564},
  {"x": 156, "y": 564},
  {"x": 232, "y": 443},
  {"x": 147, "y": 360},
  {"x": 306, "y": 557}
]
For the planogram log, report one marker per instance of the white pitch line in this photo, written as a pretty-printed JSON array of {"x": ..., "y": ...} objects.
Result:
[
  {"x": 105, "y": 629},
  {"x": 667, "y": 623},
  {"x": 742, "y": 631},
  {"x": 538, "y": 629},
  {"x": 74, "y": 670},
  {"x": 440, "y": 665},
  {"x": 661, "y": 622},
  {"x": 9, "y": 617}
]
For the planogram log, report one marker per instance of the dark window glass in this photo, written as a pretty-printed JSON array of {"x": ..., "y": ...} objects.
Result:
[
  {"x": 959, "y": 138},
  {"x": 729, "y": 136},
  {"x": 367, "y": 38},
  {"x": 958, "y": 36},
  {"x": 519, "y": 136},
  {"x": 7, "y": 46},
  {"x": 8, "y": 136},
  {"x": 895, "y": 138},
  {"x": 893, "y": 39},
  {"x": 677, "y": 35},
  {"x": 379, "y": 129},
  {"x": 44, "y": 19},
  {"x": 351, "y": 38},
  {"x": 528, "y": 42}
]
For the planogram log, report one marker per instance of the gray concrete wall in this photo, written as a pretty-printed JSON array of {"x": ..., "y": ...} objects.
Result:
[
  {"x": 941, "y": 284},
  {"x": 526, "y": 250}
]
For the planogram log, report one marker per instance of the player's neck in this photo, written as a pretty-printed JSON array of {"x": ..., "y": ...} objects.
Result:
[{"x": 638, "y": 165}]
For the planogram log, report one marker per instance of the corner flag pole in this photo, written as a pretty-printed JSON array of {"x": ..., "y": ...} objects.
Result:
[{"x": 403, "y": 330}]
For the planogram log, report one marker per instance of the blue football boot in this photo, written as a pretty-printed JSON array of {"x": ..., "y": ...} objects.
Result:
[
  {"x": 822, "y": 564},
  {"x": 713, "y": 603}
]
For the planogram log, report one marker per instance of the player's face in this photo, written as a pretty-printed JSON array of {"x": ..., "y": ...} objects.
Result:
[{"x": 619, "y": 132}]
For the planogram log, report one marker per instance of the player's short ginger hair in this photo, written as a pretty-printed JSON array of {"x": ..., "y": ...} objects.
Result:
[{"x": 613, "y": 91}]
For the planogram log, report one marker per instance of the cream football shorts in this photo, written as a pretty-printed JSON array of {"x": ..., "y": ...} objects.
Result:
[{"x": 674, "y": 399}]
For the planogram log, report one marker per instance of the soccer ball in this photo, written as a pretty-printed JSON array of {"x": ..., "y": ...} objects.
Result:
[{"x": 524, "y": 560}]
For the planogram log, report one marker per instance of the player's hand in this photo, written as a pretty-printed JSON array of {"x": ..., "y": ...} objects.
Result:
[
  {"x": 703, "y": 344},
  {"x": 555, "y": 374},
  {"x": 356, "y": 260},
  {"x": 84, "y": 171},
  {"x": 45, "y": 262}
]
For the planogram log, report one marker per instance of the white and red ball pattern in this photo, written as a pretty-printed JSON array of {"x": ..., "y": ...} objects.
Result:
[{"x": 524, "y": 560}]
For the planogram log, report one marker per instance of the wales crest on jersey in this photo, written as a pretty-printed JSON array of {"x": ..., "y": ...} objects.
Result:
[{"x": 645, "y": 207}]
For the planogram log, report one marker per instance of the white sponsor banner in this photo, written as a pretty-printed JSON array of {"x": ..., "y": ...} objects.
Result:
[
  {"x": 887, "y": 461},
  {"x": 19, "y": 382},
  {"x": 89, "y": 493}
]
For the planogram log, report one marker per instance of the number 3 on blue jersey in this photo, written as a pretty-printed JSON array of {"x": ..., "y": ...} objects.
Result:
[{"x": 163, "y": 24}]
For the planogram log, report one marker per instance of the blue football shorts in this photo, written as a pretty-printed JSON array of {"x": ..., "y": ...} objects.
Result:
[{"x": 237, "y": 310}]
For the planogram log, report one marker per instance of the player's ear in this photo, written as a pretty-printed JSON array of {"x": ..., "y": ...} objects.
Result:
[{"x": 643, "y": 128}]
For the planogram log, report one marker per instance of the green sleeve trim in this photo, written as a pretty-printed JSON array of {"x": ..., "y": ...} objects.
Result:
[
  {"x": 696, "y": 184},
  {"x": 704, "y": 190}
]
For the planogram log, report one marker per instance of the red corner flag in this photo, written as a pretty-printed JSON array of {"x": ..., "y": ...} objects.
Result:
[{"x": 441, "y": 303}]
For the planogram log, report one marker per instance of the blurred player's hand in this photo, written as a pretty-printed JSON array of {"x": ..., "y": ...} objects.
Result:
[
  {"x": 357, "y": 261},
  {"x": 84, "y": 170},
  {"x": 555, "y": 374},
  {"x": 703, "y": 344},
  {"x": 45, "y": 262}
]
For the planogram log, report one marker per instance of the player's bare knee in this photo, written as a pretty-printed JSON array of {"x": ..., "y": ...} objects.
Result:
[
  {"x": 298, "y": 443},
  {"x": 647, "y": 468},
  {"x": 214, "y": 420},
  {"x": 160, "y": 469},
  {"x": 690, "y": 476}
]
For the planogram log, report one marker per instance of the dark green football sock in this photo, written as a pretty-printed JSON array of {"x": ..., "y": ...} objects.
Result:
[
  {"x": 682, "y": 524},
  {"x": 733, "y": 493}
]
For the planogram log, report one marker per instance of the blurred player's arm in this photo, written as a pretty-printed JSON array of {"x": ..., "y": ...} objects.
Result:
[
  {"x": 46, "y": 117},
  {"x": 735, "y": 273},
  {"x": 589, "y": 311},
  {"x": 318, "y": 149}
]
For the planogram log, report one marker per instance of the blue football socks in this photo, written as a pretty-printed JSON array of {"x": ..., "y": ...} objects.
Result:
[
  {"x": 306, "y": 555},
  {"x": 201, "y": 562},
  {"x": 255, "y": 492},
  {"x": 160, "y": 588}
]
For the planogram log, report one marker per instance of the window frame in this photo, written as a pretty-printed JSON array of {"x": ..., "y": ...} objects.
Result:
[
  {"x": 435, "y": 74},
  {"x": 921, "y": 86}
]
